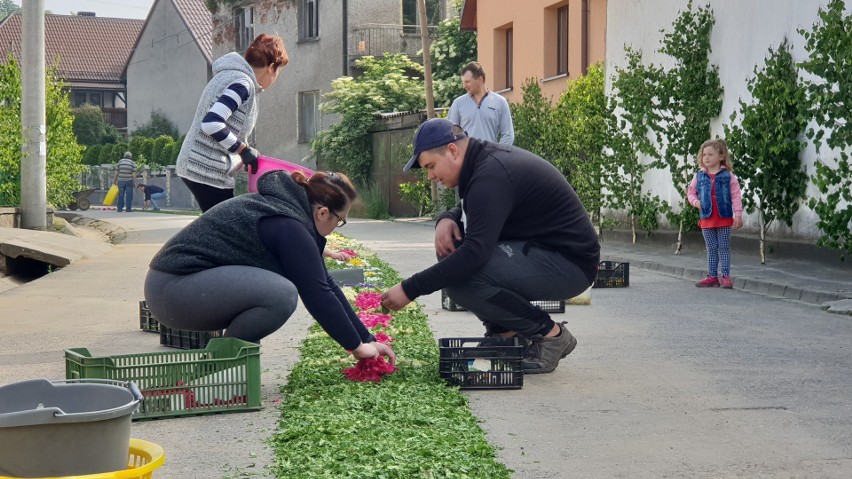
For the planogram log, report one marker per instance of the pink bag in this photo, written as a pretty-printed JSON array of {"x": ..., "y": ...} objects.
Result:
[{"x": 267, "y": 163}]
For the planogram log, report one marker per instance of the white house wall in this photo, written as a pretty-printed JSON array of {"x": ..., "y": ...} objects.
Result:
[
  {"x": 742, "y": 35},
  {"x": 166, "y": 72}
]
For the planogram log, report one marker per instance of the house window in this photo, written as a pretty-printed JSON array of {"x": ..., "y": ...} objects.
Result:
[
  {"x": 244, "y": 27},
  {"x": 309, "y": 19},
  {"x": 411, "y": 15},
  {"x": 509, "y": 54},
  {"x": 308, "y": 115},
  {"x": 95, "y": 99},
  {"x": 562, "y": 41},
  {"x": 79, "y": 98}
]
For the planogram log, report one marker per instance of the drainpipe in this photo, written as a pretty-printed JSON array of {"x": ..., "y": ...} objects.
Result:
[
  {"x": 345, "y": 37},
  {"x": 585, "y": 43}
]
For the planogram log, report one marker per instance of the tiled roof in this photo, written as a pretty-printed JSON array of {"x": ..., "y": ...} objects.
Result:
[
  {"x": 93, "y": 49},
  {"x": 199, "y": 21}
]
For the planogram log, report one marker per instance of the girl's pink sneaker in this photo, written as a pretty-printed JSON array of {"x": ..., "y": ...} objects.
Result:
[
  {"x": 708, "y": 282},
  {"x": 726, "y": 282}
]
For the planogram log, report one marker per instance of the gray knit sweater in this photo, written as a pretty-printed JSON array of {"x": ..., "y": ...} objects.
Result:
[
  {"x": 227, "y": 234},
  {"x": 202, "y": 159}
]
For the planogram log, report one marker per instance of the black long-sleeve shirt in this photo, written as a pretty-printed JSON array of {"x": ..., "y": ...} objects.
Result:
[
  {"x": 301, "y": 262},
  {"x": 510, "y": 194}
]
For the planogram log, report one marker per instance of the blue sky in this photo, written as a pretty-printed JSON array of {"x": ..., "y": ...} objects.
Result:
[{"x": 103, "y": 8}]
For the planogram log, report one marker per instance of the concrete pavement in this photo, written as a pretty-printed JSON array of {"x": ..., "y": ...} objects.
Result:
[{"x": 93, "y": 303}]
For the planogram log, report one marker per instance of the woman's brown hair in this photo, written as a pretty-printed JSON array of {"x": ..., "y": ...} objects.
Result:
[
  {"x": 326, "y": 188},
  {"x": 267, "y": 50}
]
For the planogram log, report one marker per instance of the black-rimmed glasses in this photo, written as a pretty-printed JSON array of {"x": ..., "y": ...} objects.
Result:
[{"x": 341, "y": 222}]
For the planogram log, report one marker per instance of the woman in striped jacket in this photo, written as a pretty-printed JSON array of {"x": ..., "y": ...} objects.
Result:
[{"x": 215, "y": 145}]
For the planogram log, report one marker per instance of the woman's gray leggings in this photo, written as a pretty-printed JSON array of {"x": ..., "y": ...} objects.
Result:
[{"x": 248, "y": 303}]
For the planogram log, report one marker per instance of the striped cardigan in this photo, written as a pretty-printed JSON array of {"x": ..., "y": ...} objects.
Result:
[{"x": 225, "y": 117}]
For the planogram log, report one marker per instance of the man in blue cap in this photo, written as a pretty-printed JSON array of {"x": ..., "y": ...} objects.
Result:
[{"x": 520, "y": 234}]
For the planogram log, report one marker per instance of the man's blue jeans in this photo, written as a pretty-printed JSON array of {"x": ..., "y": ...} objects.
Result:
[
  {"x": 125, "y": 194},
  {"x": 500, "y": 293},
  {"x": 157, "y": 196}
]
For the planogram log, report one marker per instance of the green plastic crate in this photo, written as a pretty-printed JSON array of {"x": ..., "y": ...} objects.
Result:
[{"x": 223, "y": 377}]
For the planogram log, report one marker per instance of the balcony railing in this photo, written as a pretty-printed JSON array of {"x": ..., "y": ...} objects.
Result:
[
  {"x": 116, "y": 117},
  {"x": 377, "y": 39}
]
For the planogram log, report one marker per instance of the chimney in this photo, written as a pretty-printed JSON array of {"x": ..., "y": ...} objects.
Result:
[{"x": 86, "y": 14}]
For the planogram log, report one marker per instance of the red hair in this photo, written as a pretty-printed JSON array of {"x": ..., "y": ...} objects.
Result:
[{"x": 267, "y": 50}]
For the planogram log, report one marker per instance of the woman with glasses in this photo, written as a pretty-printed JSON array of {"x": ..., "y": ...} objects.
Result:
[{"x": 243, "y": 265}]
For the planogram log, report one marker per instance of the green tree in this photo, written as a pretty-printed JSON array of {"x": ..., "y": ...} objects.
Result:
[
  {"x": 105, "y": 157},
  {"x": 158, "y": 125},
  {"x": 632, "y": 96},
  {"x": 767, "y": 142},
  {"x": 690, "y": 97},
  {"x": 63, "y": 153},
  {"x": 829, "y": 45},
  {"x": 583, "y": 114},
  {"x": 533, "y": 121},
  {"x": 157, "y": 157},
  {"x": 450, "y": 52},
  {"x": 384, "y": 86},
  {"x": 8, "y": 7},
  {"x": 92, "y": 155},
  {"x": 88, "y": 124}
]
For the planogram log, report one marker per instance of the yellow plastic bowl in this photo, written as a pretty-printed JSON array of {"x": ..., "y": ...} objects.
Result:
[{"x": 143, "y": 458}]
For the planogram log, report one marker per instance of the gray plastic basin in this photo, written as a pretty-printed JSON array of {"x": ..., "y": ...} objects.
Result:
[{"x": 65, "y": 428}]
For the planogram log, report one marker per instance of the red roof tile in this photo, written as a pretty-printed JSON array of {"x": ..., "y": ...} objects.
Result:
[
  {"x": 93, "y": 49},
  {"x": 199, "y": 21}
]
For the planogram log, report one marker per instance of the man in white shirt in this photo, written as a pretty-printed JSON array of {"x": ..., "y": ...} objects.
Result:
[{"x": 483, "y": 114}]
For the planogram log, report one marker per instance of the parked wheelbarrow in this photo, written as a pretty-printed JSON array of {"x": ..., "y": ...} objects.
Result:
[{"x": 81, "y": 200}]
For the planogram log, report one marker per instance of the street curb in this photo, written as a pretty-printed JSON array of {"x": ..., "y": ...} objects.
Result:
[
  {"x": 751, "y": 285},
  {"x": 115, "y": 233}
]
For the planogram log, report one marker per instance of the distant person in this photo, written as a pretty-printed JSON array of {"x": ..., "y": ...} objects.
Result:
[
  {"x": 527, "y": 237},
  {"x": 215, "y": 146},
  {"x": 152, "y": 194},
  {"x": 124, "y": 178},
  {"x": 715, "y": 191},
  {"x": 243, "y": 265},
  {"x": 483, "y": 114}
]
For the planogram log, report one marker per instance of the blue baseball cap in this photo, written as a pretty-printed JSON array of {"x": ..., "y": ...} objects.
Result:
[{"x": 433, "y": 133}]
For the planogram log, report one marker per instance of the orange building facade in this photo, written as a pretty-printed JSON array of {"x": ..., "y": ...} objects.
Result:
[{"x": 553, "y": 41}]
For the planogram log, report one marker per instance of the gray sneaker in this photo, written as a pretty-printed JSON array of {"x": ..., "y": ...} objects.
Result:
[{"x": 543, "y": 353}]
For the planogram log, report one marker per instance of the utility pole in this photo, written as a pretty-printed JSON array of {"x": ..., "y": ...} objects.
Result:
[
  {"x": 34, "y": 147},
  {"x": 427, "y": 73}
]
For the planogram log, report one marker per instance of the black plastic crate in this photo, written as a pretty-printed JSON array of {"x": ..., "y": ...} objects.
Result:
[
  {"x": 482, "y": 363},
  {"x": 612, "y": 274},
  {"x": 546, "y": 306},
  {"x": 146, "y": 321},
  {"x": 180, "y": 339}
]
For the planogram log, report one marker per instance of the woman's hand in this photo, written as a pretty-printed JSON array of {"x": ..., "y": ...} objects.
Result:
[
  {"x": 374, "y": 350},
  {"x": 447, "y": 234},
  {"x": 395, "y": 298},
  {"x": 738, "y": 222},
  {"x": 340, "y": 256}
]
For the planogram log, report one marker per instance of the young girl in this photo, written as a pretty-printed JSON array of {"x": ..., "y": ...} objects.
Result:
[{"x": 716, "y": 192}]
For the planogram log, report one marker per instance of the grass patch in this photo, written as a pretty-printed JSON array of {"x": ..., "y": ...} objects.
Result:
[{"x": 410, "y": 425}]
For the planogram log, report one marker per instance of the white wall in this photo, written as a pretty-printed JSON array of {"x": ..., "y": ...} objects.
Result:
[
  {"x": 166, "y": 72},
  {"x": 743, "y": 33}
]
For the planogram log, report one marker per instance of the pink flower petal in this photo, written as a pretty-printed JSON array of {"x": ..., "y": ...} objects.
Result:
[
  {"x": 368, "y": 301},
  {"x": 369, "y": 370}
]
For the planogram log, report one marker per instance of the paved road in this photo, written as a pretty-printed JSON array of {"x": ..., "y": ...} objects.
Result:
[{"x": 668, "y": 380}]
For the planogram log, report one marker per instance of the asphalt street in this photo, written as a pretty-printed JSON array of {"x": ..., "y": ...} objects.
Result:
[{"x": 667, "y": 380}]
